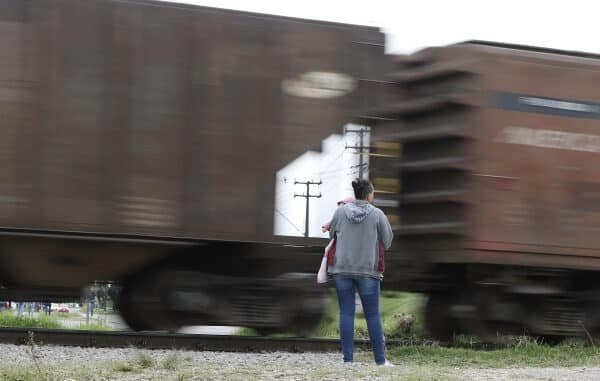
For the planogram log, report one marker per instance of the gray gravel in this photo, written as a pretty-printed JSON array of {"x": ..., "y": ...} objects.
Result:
[
  {"x": 546, "y": 374},
  {"x": 199, "y": 365},
  {"x": 191, "y": 365}
]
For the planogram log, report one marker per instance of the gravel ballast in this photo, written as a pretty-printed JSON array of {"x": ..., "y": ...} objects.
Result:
[{"x": 74, "y": 363}]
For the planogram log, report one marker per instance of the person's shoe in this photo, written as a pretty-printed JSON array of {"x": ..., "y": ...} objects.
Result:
[
  {"x": 347, "y": 363},
  {"x": 387, "y": 363}
]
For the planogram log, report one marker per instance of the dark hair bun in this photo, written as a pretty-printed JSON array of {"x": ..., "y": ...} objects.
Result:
[{"x": 362, "y": 188}]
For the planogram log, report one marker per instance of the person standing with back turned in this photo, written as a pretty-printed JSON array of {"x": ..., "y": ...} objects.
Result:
[{"x": 357, "y": 227}]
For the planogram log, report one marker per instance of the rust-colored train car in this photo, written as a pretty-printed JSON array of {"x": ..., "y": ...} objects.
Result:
[
  {"x": 486, "y": 161},
  {"x": 137, "y": 132}
]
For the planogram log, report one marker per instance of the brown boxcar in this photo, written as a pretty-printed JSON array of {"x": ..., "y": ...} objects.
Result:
[
  {"x": 485, "y": 156},
  {"x": 130, "y": 129}
]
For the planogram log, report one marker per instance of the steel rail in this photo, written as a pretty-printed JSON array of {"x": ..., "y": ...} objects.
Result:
[{"x": 224, "y": 343}]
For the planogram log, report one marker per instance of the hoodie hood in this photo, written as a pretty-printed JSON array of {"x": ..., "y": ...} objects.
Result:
[{"x": 357, "y": 211}]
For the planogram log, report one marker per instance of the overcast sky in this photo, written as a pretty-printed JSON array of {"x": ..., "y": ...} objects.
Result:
[{"x": 410, "y": 25}]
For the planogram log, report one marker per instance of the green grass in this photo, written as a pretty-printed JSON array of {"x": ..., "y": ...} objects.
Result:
[
  {"x": 8, "y": 319},
  {"x": 568, "y": 354},
  {"x": 172, "y": 362},
  {"x": 521, "y": 351},
  {"x": 123, "y": 366},
  {"x": 393, "y": 307},
  {"x": 57, "y": 372},
  {"x": 184, "y": 376},
  {"x": 412, "y": 364},
  {"x": 144, "y": 360},
  {"x": 94, "y": 326}
]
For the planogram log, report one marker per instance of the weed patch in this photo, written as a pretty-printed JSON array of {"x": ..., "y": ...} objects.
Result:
[
  {"x": 124, "y": 366},
  {"x": 172, "y": 362},
  {"x": 8, "y": 319},
  {"x": 99, "y": 326},
  {"x": 144, "y": 360},
  {"x": 528, "y": 352}
]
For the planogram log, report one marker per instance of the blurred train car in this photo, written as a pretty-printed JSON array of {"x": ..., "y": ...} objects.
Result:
[
  {"x": 484, "y": 157},
  {"x": 139, "y": 142}
]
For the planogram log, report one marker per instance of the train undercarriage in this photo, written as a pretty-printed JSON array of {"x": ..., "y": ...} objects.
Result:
[
  {"x": 271, "y": 287},
  {"x": 167, "y": 299},
  {"x": 167, "y": 284},
  {"x": 492, "y": 301}
]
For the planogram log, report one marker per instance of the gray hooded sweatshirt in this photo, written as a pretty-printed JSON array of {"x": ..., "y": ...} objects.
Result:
[{"x": 358, "y": 226}]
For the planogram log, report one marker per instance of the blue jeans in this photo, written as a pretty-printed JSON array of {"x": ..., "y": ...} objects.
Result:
[{"x": 368, "y": 290}]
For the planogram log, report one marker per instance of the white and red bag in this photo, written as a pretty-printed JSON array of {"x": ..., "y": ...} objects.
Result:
[{"x": 327, "y": 259}]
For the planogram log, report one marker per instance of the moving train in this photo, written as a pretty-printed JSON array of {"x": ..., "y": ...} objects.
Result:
[
  {"x": 484, "y": 159},
  {"x": 140, "y": 141},
  {"x": 139, "y": 144}
]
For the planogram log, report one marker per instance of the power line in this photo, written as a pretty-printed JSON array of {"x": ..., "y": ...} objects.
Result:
[
  {"x": 342, "y": 140},
  {"x": 364, "y": 165},
  {"x": 339, "y": 171},
  {"x": 318, "y": 174},
  {"x": 360, "y": 148},
  {"x": 326, "y": 168},
  {"x": 288, "y": 220},
  {"x": 332, "y": 161},
  {"x": 308, "y": 196},
  {"x": 333, "y": 185}
]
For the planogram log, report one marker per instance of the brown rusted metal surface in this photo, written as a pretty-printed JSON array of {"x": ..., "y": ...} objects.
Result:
[
  {"x": 498, "y": 147},
  {"x": 140, "y": 117},
  {"x": 159, "y": 119}
]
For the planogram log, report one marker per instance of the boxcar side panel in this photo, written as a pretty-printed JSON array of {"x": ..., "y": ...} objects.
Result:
[
  {"x": 139, "y": 117},
  {"x": 541, "y": 138}
]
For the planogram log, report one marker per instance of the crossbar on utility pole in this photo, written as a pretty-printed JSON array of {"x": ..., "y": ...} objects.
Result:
[
  {"x": 360, "y": 148},
  {"x": 307, "y": 196}
]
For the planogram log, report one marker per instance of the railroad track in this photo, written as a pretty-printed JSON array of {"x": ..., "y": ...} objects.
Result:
[{"x": 160, "y": 340}]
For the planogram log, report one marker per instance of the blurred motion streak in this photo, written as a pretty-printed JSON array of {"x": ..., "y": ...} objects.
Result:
[
  {"x": 139, "y": 143},
  {"x": 143, "y": 144},
  {"x": 494, "y": 188}
]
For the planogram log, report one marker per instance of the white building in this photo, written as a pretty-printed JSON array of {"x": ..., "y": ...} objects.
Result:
[{"x": 335, "y": 166}]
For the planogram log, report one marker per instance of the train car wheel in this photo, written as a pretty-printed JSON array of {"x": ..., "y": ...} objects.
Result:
[
  {"x": 308, "y": 313},
  {"x": 438, "y": 319},
  {"x": 482, "y": 322},
  {"x": 126, "y": 308},
  {"x": 143, "y": 304},
  {"x": 475, "y": 321}
]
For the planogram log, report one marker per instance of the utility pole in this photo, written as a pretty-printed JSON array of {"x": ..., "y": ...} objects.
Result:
[
  {"x": 360, "y": 148},
  {"x": 307, "y": 196}
]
